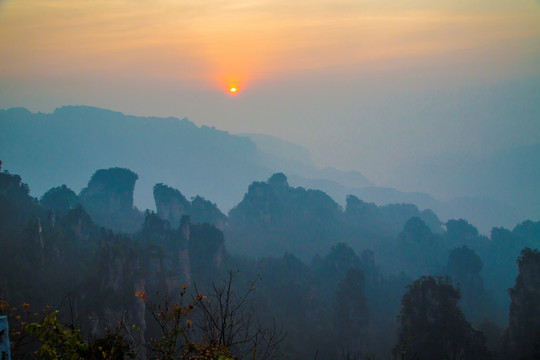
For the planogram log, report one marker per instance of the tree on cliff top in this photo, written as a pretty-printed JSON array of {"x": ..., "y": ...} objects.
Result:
[
  {"x": 432, "y": 326},
  {"x": 523, "y": 335},
  {"x": 464, "y": 266},
  {"x": 108, "y": 198},
  {"x": 59, "y": 199}
]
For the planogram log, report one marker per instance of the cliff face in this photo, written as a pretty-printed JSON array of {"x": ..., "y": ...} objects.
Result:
[
  {"x": 59, "y": 199},
  {"x": 131, "y": 273},
  {"x": 274, "y": 218},
  {"x": 204, "y": 211},
  {"x": 387, "y": 220},
  {"x": 171, "y": 205},
  {"x": 110, "y": 189},
  {"x": 110, "y": 294},
  {"x": 166, "y": 252},
  {"x": 56, "y": 248},
  {"x": 158, "y": 260},
  {"x": 108, "y": 198}
]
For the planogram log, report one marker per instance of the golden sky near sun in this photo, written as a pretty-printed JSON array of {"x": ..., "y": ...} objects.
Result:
[{"x": 236, "y": 42}]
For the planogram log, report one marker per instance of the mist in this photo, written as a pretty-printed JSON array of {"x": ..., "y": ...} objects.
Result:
[{"x": 370, "y": 191}]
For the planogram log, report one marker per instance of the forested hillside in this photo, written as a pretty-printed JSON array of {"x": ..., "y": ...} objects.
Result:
[{"x": 302, "y": 277}]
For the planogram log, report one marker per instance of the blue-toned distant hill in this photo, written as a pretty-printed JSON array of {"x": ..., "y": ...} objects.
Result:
[
  {"x": 502, "y": 186},
  {"x": 69, "y": 145}
]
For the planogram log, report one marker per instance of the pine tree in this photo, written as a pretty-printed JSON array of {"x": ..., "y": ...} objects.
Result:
[
  {"x": 433, "y": 327},
  {"x": 523, "y": 334}
]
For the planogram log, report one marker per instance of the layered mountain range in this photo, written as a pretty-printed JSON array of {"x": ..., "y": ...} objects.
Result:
[{"x": 68, "y": 145}]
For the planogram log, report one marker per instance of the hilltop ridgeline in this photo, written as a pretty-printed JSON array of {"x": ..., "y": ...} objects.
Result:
[{"x": 67, "y": 146}]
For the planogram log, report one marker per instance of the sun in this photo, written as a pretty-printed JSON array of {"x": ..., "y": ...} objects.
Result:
[{"x": 233, "y": 90}]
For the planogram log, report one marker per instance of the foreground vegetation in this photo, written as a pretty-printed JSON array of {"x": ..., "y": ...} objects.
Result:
[{"x": 84, "y": 291}]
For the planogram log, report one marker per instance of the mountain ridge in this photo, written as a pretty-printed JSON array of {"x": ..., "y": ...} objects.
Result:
[{"x": 70, "y": 143}]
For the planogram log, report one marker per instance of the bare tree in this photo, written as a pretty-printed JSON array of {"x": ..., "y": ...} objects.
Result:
[{"x": 227, "y": 317}]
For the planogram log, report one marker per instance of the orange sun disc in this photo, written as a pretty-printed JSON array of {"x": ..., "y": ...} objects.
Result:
[{"x": 233, "y": 90}]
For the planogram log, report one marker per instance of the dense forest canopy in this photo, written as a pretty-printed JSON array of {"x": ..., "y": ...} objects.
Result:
[{"x": 364, "y": 281}]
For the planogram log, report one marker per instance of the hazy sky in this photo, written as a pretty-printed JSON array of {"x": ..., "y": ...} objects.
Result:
[{"x": 364, "y": 85}]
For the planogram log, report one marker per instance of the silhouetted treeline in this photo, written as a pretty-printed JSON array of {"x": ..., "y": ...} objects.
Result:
[{"x": 341, "y": 283}]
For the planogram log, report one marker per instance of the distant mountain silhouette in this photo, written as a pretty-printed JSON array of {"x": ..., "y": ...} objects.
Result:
[
  {"x": 499, "y": 189},
  {"x": 275, "y": 218},
  {"x": 67, "y": 146},
  {"x": 496, "y": 190},
  {"x": 70, "y": 144}
]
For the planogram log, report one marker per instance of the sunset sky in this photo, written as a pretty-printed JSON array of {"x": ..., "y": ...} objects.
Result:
[{"x": 364, "y": 85}]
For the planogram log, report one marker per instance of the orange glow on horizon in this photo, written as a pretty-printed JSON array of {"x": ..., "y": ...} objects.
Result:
[{"x": 221, "y": 45}]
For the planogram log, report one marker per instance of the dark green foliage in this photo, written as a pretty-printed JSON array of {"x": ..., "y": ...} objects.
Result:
[
  {"x": 59, "y": 199},
  {"x": 274, "y": 218},
  {"x": 340, "y": 303},
  {"x": 351, "y": 313},
  {"x": 365, "y": 216},
  {"x": 460, "y": 232},
  {"x": 415, "y": 230},
  {"x": 16, "y": 205},
  {"x": 420, "y": 251},
  {"x": 464, "y": 268},
  {"x": 155, "y": 227},
  {"x": 387, "y": 220},
  {"x": 113, "y": 181},
  {"x": 288, "y": 291},
  {"x": 58, "y": 341},
  {"x": 11, "y": 185},
  {"x": 523, "y": 334},
  {"x": 278, "y": 180},
  {"x": 205, "y": 211},
  {"x": 493, "y": 334},
  {"x": 499, "y": 257},
  {"x": 432, "y": 326},
  {"x": 529, "y": 233},
  {"x": 206, "y": 246},
  {"x": 325, "y": 307},
  {"x": 172, "y": 205},
  {"x": 112, "y": 346},
  {"x": 23, "y": 242},
  {"x": 335, "y": 265}
]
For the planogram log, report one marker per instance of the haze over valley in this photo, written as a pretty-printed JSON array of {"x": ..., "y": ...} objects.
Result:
[
  {"x": 234, "y": 180},
  {"x": 497, "y": 190}
]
